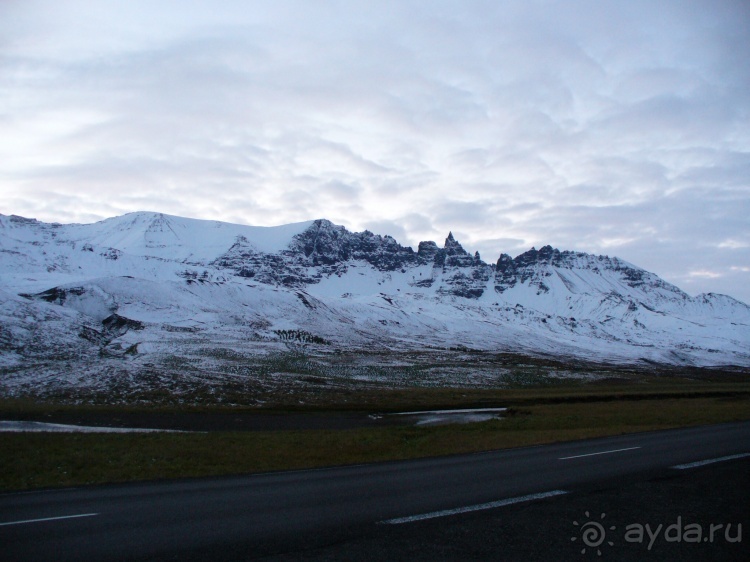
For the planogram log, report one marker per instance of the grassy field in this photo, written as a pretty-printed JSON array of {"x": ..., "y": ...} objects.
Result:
[
  {"x": 537, "y": 415},
  {"x": 389, "y": 399}
]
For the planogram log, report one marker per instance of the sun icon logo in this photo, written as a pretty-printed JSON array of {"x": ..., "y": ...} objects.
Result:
[{"x": 593, "y": 534}]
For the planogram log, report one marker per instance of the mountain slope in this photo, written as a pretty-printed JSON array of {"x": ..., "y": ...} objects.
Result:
[{"x": 150, "y": 293}]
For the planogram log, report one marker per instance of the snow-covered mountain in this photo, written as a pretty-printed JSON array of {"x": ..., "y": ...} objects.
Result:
[{"x": 148, "y": 292}]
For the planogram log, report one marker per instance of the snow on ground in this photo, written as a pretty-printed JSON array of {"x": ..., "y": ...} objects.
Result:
[
  {"x": 443, "y": 417},
  {"x": 141, "y": 302},
  {"x": 39, "y": 427}
]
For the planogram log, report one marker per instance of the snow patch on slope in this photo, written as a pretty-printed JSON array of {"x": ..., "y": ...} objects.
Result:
[{"x": 146, "y": 293}]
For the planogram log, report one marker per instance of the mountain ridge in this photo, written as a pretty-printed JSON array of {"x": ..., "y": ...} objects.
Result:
[
  {"x": 452, "y": 250},
  {"x": 148, "y": 289}
]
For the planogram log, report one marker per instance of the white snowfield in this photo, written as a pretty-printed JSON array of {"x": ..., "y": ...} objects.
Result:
[
  {"x": 43, "y": 427},
  {"x": 137, "y": 293}
]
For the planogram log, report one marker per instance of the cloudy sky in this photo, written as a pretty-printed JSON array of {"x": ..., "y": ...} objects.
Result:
[{"x": 613, "y": 127}]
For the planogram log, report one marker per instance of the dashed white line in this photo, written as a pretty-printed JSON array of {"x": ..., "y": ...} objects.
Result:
[
  {"x": 478, "y": 507},
  {"x": 710, "y": 461},
  {"x": 599, "y": 453},
  {"x": 47, "y": 519}
]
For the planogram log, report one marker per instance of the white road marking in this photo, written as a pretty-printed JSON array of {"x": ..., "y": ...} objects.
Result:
[
  {"x": 481, "y": 506},
  {"x": 599, "y": 453},
  {"x": 710, "y": 461},
  {"x": 47, "y": 519}
]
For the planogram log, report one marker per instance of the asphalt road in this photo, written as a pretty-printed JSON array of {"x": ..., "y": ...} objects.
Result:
[{"x": 283, "y": 515}]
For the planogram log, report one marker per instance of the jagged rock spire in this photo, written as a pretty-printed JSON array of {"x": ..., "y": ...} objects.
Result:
[{"x": 452, "y": 246}]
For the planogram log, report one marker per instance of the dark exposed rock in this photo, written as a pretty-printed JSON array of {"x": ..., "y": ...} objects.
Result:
[
  {"x": 94, "y": 336},
  {"x": 57, "y": 295},
  {"x": 455, "y": 255},
  {"x": 462, "y": 285},
  {"x": 325, "y": 249},
  {"x": 505, "y": 273},
  {"x": 324, "y": 243},
  {"x": 271, "y": 269},
  {"x": 533, "y": 266},
  {"x": 547, "y": 256},
  {"x": 426, "y": 252},
  {"x": 113, "y": 327},
  {"x": 116, "y": 325},
  {"x": 465, "y": 275},
  {"x": 452, "y": 247},
  {"x": 23, "y": 220},
  {"x": 111, "y": 254},
  {"x": 305, "y": 300},
  {"x": 633, "y": 277}
]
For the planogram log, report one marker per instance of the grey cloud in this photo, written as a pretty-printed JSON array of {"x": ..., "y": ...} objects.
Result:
[
  {"x": 390, "y": 228},
  {"x": 455, "y": 214},
  {"x": 733, "y": 170},
  {"x": 396, "y": 185},
  {"x": 491, "y": 249},
  {"x": 53, "y": 203},
  {"x": 416, "y": 222},
  {"x": 665, "y": 119},
  {"x": 611, "y": 180},
  {"x": 339, "y": 190},
  {"x": 593, "y": 125},
  {"x": 658, "y": 234},
  {"x": 412, "y": 228},
  {"x": 655, "y": 83}
]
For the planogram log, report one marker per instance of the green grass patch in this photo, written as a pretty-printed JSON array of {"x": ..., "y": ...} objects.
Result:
[{"x": 36, "y": 460}]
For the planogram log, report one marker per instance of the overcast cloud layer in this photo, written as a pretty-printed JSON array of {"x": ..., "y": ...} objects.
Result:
[{"x": 608, "y": 127}]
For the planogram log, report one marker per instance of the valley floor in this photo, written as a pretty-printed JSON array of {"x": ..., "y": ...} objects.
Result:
[{"x": 348, "y": 428}]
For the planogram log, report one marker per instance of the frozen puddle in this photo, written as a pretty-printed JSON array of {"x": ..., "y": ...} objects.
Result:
[
  {"x": 21, "y": 426},
  {"x": 440, "y": 417}
]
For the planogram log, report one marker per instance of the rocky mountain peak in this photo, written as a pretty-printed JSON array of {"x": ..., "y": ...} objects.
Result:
[
  {"x": 106, "y": 299},
  {"x": 327, "y": 244},
  {"x": 546, "y": 255},
  {"x": 427, "y": 250},
  {"x": 452, "y": 246},
  {"x": 17, "y": 219},
  {"x": 323, "y": 243}
]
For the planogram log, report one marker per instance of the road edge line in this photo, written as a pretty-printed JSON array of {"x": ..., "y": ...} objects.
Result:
[
  {"x": 710, "y": 461},
  {"x": 469, "y": 508}
]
